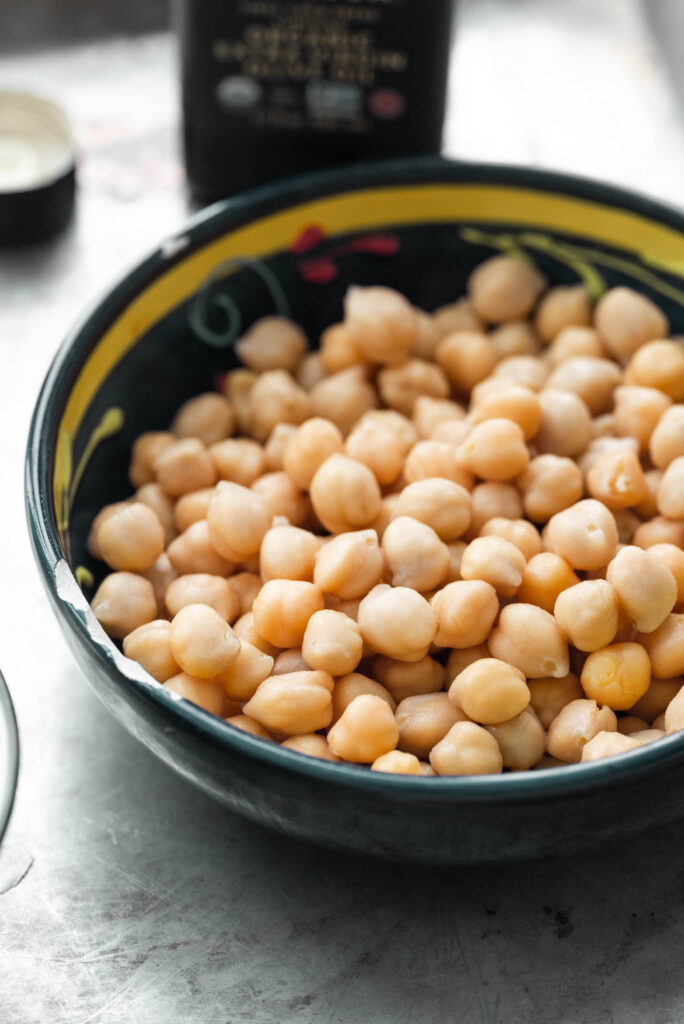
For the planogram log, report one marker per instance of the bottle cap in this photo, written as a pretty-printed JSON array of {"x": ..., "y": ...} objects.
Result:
[{"x": 37, "y": 173}]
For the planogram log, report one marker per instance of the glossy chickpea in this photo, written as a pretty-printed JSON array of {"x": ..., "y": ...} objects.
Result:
[
  {"x": 397, "y": 762},
  {"x": 246, "y": 724},
  {"x": 104, "y": 514},
  {"x": 670, "y": 494},
  {"x": 504, "y": 288},
  {"x": 530, "y": 639},
  {"x": 659, "y": 530},
  {"x": 153, "y": 496},
  {"x": 400, "y": 385},
  {"x": 379, "y": 447},
  {"x": 428, "y": 413},
  {"x": 131, "y": 539},
  {"x": 308, "y": 448},
  {"x": 294, "y": 703},
  {"x": 644, "y": 586},
  {"x": 627, "y": 320},
  {"x": 510, "y": 402},
  {"x": 397, "y": 621},
  {"x": 496, "y": 561},
  {"x": 574, "y": 341},
  {"x": 350, "y": 564},
  {"x": 520, "y": 532},
  {"x": 516, "y": 338},
  {"x": 566, "y": 305},
  {"x": 453, "y": 432},
  {"x": 381, "y": 323},
  {"x": 607, "y": 744},
  {"x": 184, "y": 466},
  {"x": 439, "y": 503},
  {"x": 332, "y": 642},
  {"x": 274, "y": 449},
  {"x": 312, "y": 744},
  {"x": 466, "y": 357},
  {"x": 291, "y": 660},
  {"x": 272, "y": 343},
  {"x": 425, "y": 719},
  {"x": 435, "y": 458},
  {"x": 665, "y": 647},
  {"x": 365, "y": 730},
  {"x": 495, "y": 450},
  {"x": 467, "y": 749},
  {"x": 161, "y": 575},
  {"x": 191, "y": 508},
  {"x": 208, "y": 417},
  {"x": 617, "y": 675},
  {"x": 576, "y": 724},
  {"x": 674, "y": 714},
  {"x": 637, "y": 411},
  {"x": 565, "y": 425},
  {"x": 337, "y": 349},
  {"x": 456, "y": 316},
  {"x": 527, "y": 371},
  {"x": 494, "y": 501},
  {"x": 408, "y": 679},
  {"x": 521, "y": 740},
  {"x": 238, "y": 459},
  {"x": 344, "y": 397},
  {"x": 460, "y": 659},
  {"x": 548, "y": 695},
  {"x": 150, "y": 646},
  {"x": 465, "y": 611},
  {"x": 659, "y": 364},
  {"x": 202, "y": 642},
  {"x": 345, "y": 494},
  {"x": 277, "y": 398},
  {"x": 237, "y": 520},
  {"x": 673, "y": 558},
  {"x": 414, "y": 554},
  {"x": 282, "y": 498},
  {"x": 289, "y": 553},
  {"x": 648, "y": 735},
  {"x": 617, "y": 480},
  {"x": 599, "y": 447},
  {"x": 202, "y": 588},
  {"x": 588, "y": 614},
  {"x": 592, "y": 379},
  {"x": 251, "y": 667},
  {"x": 546, "y": 576},
  {"x": 490, "y": 691},
  {"x": 122, "y": 602},
  {"x": 192, "y": 551},
  {"x": 667, "y": 440},
  {"x": 146, "y": 449},
  {"x": 585, "y": 535},
  {"x": 282, "y": 609},
  {"x": 206, "y": 693},
  {"x": 353, "y": 685}
]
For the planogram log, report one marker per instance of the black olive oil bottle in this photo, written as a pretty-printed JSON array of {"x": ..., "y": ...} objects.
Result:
[{"x": 274, "y": 87}]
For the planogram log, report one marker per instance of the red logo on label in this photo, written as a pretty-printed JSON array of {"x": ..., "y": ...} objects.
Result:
[{"x": 386, "y": 104}]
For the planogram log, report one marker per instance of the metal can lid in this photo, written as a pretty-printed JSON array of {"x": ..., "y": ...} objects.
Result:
[{"x": 37, "y": 173}]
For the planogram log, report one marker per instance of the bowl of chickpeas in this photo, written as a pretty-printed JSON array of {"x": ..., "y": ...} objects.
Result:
[
  {"x": 9, "y": 755},
  {"x": 361, "y": 503}
]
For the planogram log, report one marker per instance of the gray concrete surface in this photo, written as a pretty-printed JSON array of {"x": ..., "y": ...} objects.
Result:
[{"x": 127, "y": 896}]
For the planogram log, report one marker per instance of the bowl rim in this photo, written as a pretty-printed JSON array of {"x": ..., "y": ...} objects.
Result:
[
  {"x": 613, "y": 772},
  {"x": 9, "y": 735}
]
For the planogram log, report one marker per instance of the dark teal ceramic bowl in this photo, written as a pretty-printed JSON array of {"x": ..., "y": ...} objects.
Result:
[
  {"x": 9, "y": 756},
  {"x": 154, "y": 341}
]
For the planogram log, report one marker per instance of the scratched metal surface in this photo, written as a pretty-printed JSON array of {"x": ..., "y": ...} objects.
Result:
[{"x": 126, "y": 896}]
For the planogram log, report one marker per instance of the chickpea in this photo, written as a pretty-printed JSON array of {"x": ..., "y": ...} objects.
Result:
[
  {"x": 667, "y": 440},
  {"x": 531, "y": 640},
  {"x": 574, "y": 341},
  {"x": 665, "y": 646},
  {"x": 630, "y": 725},
  {"x": 122, "y": 602},
  {"x": 402, "y": 384},
  {"x": 627, "y": 523},
  {"x": 430, "y": 412},
  {"x": 434, "y": 458},
  {"x": 466, "y": 357},
  {"x": 510, "y": 402},
  {"x": 659, "y": 723},
  {"x": 648, "y": 507},
  {"x": 237, "y": 520},
  {"x": 291, "y": 660},
  {"x": 272, "y": 343},
  {"x": 490, "y": 691},
  {"x": 423, "y": 720},
  {"x": 455, "y": 549},
  {"x": 659, "y": 530},
  {"x": 241, "y": 679},
  {"x": 637, "y": 411},
  {"x": 274, "y": 449},
  {"x": 576, "y": 724},
  {"x": 414, "y": 554},
  {"x": 289, "y": 553},
  {"x": 565, "y": 425},
  {"x": 496, "y": 561},
  {"x": 282, "y": 609},
  {"x": 344, "y": 397},
  {"x": 277, "y": 398},
  {"x": 648, "y": 736},
  {"x": 191, "y": 508},
  {"x": 607, "y": 744},
  {"x": 460, "y": 659},
  {"x": 521, "y": 740},
  {"x": 245, "y": 629},
  {"x": 337, "y": 349},
  {"x": 238, "y": 459},
  {"x": 617, "y": 675},
  {"x": 659, "y": 364},
  {"x": 548, "y": 695},
  {"x": 208, "y": 417},
  {"x": 397, "y": 621},
  {"x": 104, "y": 514},
  {"x": 427, "y": 337},
  {"x": 504, "y": 288},
  {"x": 398, "y": 763},
  {"x": 617, "y": 480},
  {"x": 282, "y": 497},
  {"x": 294, "y": 703},
  {"x": 202, "y": 642},
  {"x": 465, "y": 611},
  {"x": 588, "y": 614},
  {"x": 146, "y": 448},
  {"x": 528, "y": 371},
  {"x": 656, "y": 699},
  {"x": 592, "y": 379},
  {"x": 310, "y": 743},
  {"x": 332, "y": 642},
  {"x": 311, "y": 444},
  {"x": 670, "y": 495},
  {"x": 494, "y": 501},
  {"x": 546, "y": 576},
  {"x": 161, "y": 575},
  {"x": 645, "y": 587},
  {"x": 549, "y": 762},
  {"x": 519, "y": 532},
  {"x": 585, "y": 534},
  {"x": 150, "y": 646},
  {"x": 453, "y": 432},
  {"x": 377, "y": 446},
  {"x": 599, "y": 447},
  {"x": 131, "y": 539},
  {"x": 494, "y": 450},
  {"x": 350, "y": 564},
  {"x": 408, "y": 679},
  {"x": 381, "y": 323},
  {"x": 310, "y": 371},
  {"x": 184, "y": 466},
  {"x": 206, "y": 693},
  {"x": 515, "y": 338},
  {"x": 202, "y": 588},
  {"x": 154, "y": 498},
  {"x": 353, "y": 685},
  {"x": 365, "y": 730},
  {"x": 566, "y": 305},
  {"x": 237, "y": 388},
  {"x": 673, "y": 558},
  {"x": 467, "y": 749},
  {"x": 674, "y": 714},
  {"x": 456, "y": 316},
  {"x": 345, "y": 494},
  {"x": 439, "y": 503},
  {"x": 246, "y": 724},
  {"x": 626, "y": 320},
  {"x": 603, "y": 426},
  {"x": 193, "y": 552}
]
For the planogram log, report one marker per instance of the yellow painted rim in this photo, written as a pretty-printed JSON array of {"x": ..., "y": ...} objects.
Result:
[{"x": 369, "y": 209}]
